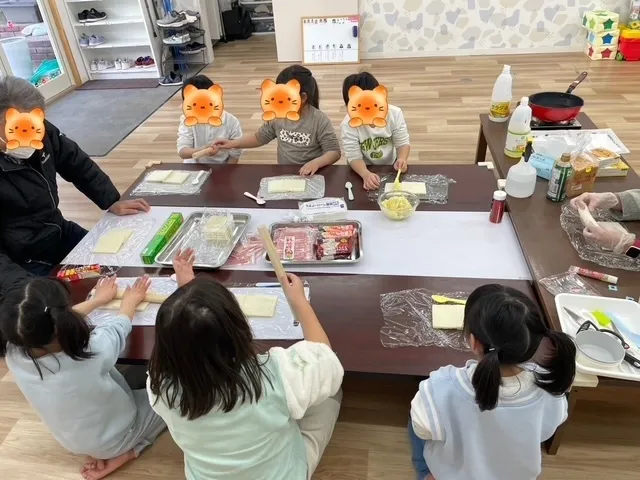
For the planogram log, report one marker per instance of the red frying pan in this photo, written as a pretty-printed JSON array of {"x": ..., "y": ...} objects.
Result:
[{"x": 556, "y": 107}]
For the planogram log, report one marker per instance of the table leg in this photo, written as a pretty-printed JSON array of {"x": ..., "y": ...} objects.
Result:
[
  {"x": 553, "y": 444},
  {"x": 481, "y": 149}
]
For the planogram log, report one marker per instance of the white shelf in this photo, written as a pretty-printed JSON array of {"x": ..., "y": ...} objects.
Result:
[
  {"x": 113, "y": 71},
  {"x": 119, "y": 44},
  {"x": 111, "y": 21}
]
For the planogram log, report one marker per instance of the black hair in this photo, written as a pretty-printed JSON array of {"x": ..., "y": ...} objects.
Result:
[
  {"x": 308, "y": 84},
  {"x": 364, "y": 80},
  {"x": 38, "y": 313},
  {"x": 204, "y": 354},
  {"x": 510, "y": 327},
  {"x": 201, "y": 82}
]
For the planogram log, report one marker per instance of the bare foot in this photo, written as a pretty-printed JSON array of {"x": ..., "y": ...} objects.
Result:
[
  {"x": 91, "y": 463},
  {"x": 108, "y": 466}
]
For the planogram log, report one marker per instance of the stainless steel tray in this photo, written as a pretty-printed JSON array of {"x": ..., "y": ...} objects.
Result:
[
  {"x": 356, "y": 256},
  {"x": 208, "y": 255}
]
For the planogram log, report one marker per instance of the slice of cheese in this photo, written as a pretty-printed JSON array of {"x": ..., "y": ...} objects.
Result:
[
  {"x": 112, "y": 240},
  {"x": 158, "y": 176},
  {"x": 287, "y": 186},
  {"x": 258, "y": 305},
  {"x": 417, "y": 188},
  {"x": 116, "y": 304},
  {"x": 448, "y": 317},
  {"x": 176, "y": 178}
]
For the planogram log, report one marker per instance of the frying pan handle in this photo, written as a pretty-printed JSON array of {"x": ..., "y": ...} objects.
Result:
[{"x": 577, "y": 82}]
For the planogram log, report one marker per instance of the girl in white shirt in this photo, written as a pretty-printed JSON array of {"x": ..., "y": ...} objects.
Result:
[
  {"x": 368, "y": 145},
  {"x": 201, "y": 136},
  {"x": 487, "y": 419},
  {"x": 237, "y": 414}
]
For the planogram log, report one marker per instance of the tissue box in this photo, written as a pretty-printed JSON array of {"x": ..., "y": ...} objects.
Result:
[
  {"x": 600, "y": 53},
  {"x": 608, "y": 38},
  {"x": 543, "y": 164},
  {"x": 600, "y": 20}
]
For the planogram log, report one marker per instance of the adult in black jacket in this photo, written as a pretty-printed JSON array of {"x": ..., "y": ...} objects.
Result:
[{"x": 34, "y": 236}]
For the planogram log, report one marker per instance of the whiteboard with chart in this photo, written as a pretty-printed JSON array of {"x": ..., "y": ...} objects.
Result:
[{"x": 331, "y": 39}]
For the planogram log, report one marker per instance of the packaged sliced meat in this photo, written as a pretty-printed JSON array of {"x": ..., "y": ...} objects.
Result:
[
  {"x": 338, "y": 231},
  {"x": 296, "y": 243},
  {"x": 335, "y": 249}
]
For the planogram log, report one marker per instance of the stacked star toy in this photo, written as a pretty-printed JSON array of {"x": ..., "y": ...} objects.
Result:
[{"x": 602, "y": 34}]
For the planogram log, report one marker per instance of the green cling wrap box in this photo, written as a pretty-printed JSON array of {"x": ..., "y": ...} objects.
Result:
[{"x": 161, "y": 238}]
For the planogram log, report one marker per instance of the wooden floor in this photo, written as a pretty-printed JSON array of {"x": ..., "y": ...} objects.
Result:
[{"x": 441, "y": 99}]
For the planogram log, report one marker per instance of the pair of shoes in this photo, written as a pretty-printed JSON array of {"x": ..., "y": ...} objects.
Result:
[
  {"x": 177, "y": 39},
  {"x": 175, "y": 19},
  {"x": 145, "y": 62},
  {"x": 105, "y": 65},
  {"x": 91, "y": 41},
  {"x": 84, "y": 41},
  {"x": 195, "y": 32},
  {"x": 90, "y": 16},
  {"x": 94, "y": 65},
  {"x": 123, "y": 64},
  {"x": 172, "y": 79},
  {"x": 192, "y": 48}
]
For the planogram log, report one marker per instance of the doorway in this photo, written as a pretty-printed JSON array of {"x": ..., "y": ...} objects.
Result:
[{"x": 30, "y": 46}]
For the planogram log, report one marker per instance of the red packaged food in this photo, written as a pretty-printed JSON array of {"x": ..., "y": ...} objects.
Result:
[
  {"x": 335, "y": 249},
  {"x": 295, "y": 243},
  {"x": 71, "y": 274},
  {"x": 338, "y": 231}
]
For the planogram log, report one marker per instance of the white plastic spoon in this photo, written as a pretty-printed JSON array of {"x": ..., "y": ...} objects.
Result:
[
  {"x": 349, "y": 187},
  {"x": 196, "y": 180},
  {"x": 259, "y": 201}
]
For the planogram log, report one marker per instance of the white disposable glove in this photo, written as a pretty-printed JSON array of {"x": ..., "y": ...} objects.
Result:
[
  {"x": 603, "y": 201},
  {"x": 609, "y": 238}
]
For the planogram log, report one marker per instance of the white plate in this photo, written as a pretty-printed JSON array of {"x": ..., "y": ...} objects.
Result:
[{"x": 627, "y": 316}]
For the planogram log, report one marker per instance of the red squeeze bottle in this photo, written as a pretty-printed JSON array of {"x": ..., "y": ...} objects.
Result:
[{"x": 497, "y": 206}]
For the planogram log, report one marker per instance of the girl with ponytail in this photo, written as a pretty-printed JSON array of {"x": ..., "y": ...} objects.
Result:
[
  {"x": 66, "y": 369},
  {"x": 487, "y": 419}
]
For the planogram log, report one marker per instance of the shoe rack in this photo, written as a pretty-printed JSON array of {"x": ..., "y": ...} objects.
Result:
[{"x": 128, "y": 33}]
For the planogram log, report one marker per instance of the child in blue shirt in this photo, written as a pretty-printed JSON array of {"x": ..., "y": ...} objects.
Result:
[{"x": 487, "y": 419}]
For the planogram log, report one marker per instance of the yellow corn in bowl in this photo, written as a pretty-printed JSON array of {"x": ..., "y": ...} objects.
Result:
[{"x": 398, "y": 205}]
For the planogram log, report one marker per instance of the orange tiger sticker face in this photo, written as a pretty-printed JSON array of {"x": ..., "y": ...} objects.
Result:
[
  {"x": 368, "y": 107},
  {"x": 24, "y": 129},
  {"x": 203, "y": 105},
  {"x": 280, "y": 100}
]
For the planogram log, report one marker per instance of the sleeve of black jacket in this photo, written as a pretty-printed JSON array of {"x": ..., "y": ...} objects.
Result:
[
  {"x": 76, "y": 167},
  {"x": 11, "y": 274}
]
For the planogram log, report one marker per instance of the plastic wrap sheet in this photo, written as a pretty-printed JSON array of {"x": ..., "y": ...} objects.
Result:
[
  {"x": 314, "y": 190},
  {"x": 437, "y": 187},
  {"x": 146, "y": 188},
  {"x": 567, "y": 282},
  {"x": 159, "y": 285},
  {"x": 572, "y": 225},
  {"x": 83, "y": 253},
  {"x": 247, "y": 252},
  {"x": 407, "y": 321}
]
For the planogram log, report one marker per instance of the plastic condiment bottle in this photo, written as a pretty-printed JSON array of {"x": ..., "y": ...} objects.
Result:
[
  {"x": 521, "y": 179},
  {"x": 497, "y": 207},
  {"x": 518, "y": 130},
  {"x": 501, "y": 96}
]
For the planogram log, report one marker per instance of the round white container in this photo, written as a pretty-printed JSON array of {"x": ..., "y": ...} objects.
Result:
[{"x": 16, "y": 50}]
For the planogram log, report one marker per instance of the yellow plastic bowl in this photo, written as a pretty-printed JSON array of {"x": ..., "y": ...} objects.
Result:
[{"x": 398, "y": 205}]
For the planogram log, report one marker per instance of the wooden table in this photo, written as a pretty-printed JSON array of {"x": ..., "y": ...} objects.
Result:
[
  {"x": 544, "y": 243},
  {"x": 347, "y": 305}
]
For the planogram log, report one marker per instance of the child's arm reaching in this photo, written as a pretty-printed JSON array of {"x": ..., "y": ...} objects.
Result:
[
  {"x": 250, "y": 140},
  {"x": 400, "y": 138},
  {"x": 186, "y": 142},
  {"x": 351, "y": 144},
  {"x": 134, "y": 296},
  {"x": 104, "y": 292},
  {"x": 311, "y": 328},
  {"x": 183, "y": 266},
  {"x": 330, "y": 149}
]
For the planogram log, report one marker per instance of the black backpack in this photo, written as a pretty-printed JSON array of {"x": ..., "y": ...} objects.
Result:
[{"x": 237, "y": 23}]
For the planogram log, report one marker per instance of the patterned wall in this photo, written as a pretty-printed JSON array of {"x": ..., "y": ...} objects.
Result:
[{"x": 394, "y": 28}]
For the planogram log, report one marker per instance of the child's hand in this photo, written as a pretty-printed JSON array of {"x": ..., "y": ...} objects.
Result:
[
  {"x": 401, "y": 165},
  {"x": 224, "y": 144},
  {"x": 134, "y": 295},
  {"x": 310, "y": 168},
  {"x": 371, "y": 181},
  {"x": 294, "y": 290},
  {"x": 183, "y": 265},
  {"x": 105, "y": 291}
]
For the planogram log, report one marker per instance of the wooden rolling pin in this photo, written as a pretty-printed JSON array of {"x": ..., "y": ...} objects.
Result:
[
  {"x": 272, "y": 251},
  {"x": 203, "y": 153}
]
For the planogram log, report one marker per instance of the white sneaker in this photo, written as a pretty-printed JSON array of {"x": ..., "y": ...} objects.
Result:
[
  {"x": 118, "y": 64},
  {"x": 126, "y": 64},
  {"x": 177, "y": 39},
  {"x": 105, "y": 65},
  {"x": 94, "y": 66}
]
